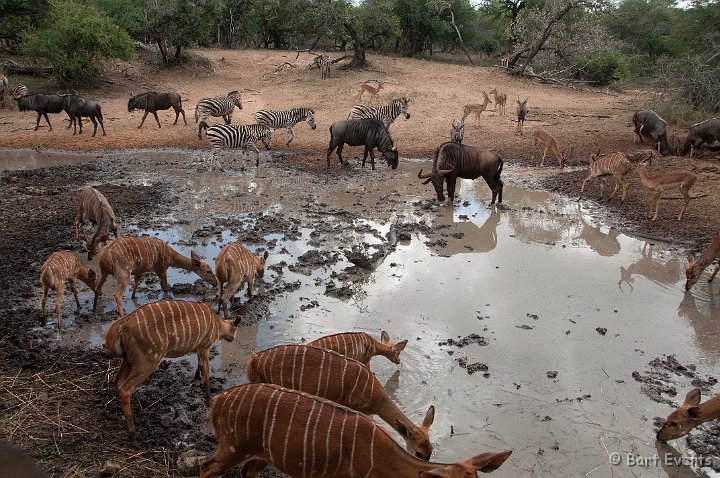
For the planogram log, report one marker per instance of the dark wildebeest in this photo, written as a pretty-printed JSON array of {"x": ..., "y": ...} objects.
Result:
[
  {"x": 453, "y": 160},
  {"x": 152, "y": 101},
  {"x": 700, "y": 133},
  {"x": 371, "y": 133},
  {"x": 78, "y": 107},
  {"x": 648, "y": 124},
  {"x": 42, "y": 104}
]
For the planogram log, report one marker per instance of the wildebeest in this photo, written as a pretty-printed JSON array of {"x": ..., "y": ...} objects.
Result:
[
  {"x": 78, "y": 107},
  {"x": 454, "y": 160},
  {"x": 371, "y": 133},
  {"x": 152, "y": 101},
  {"x": 42, "y": 104},
  {"x": 648, "y": 124},
  {"x": 700, "y": 133}
]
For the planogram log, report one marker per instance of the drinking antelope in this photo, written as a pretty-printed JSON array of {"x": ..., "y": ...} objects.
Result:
[
  {"x": 127, "y": 256},
  {"x": 475, "y": 108},
  {"x": 235, "y": 266},
  {"x": 680, "y": 179},
  {"x": 500, "y": 100},
  {"x": 343, "y": 380},
  {"x": 521, "y": 110},
  {"x": 309, "y": 437},
  {"x": 163, "y": 329},
  {"x": 372, "y": 90},
  {"x": 94, "y": 206},
  {"x": 616, "y": 164},
  {"x": 546, "y": 139},
  {"x": 695, "y": 268},
  {"x": 361, "y": 346},
  {"x": 60, "y": 267},
  {"x": 689, "y": 415}
]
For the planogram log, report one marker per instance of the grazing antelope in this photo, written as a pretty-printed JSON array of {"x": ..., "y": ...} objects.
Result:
[
  {"x": 706, "y": 132},
  {"x": 235, "y": 266},
  {"x": 309, "y": 437},
  {"x": 60, "y": 267},
  {"x": 546, "y": 139},
  {"x": 475, "y": 108},
  {"x": 127, "y": 256},
  {"x": 680, "y": 179},
  {"x": 163, "y": 329},
  {"x": 343, "y": 380},
  {"x": 695, "y": 268},
  {"x": 500, "y": 100},
  {"x": 373, "y": 90},
  {"x": 616, "y": 164},
  {"x": 94, "y": 206},
  {"x": 521, "y": 110},
  {"x": 689, "y": 415},
  {"x": 361, "y": 346}
]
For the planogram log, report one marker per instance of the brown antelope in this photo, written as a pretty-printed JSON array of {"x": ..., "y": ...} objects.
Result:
[
  {"x": 689, "y": 415},
  {"x": 310, "y": 437},
  {"x": 361, "y": 346},
  {"x": 504, "y": 61},
  {"x": 695, "y": 268},
  {"x": 500, "y": 100},
  {"x": 616, "y": 164},
  {"x": 546, "y": 139},
  {"x": 373, "y": 90},
  {"x": 127, "y": 256},
  {"x": 343, "y": 380},
  {"x": 680, "y": 179},
  {"x": 60, "y": 267},
  {"x": 94, "y": 206},
  {"x": 475, "y": 108},
  {"x": 235, "y": 265},
  {"x": 521, "y": 110},
  {"x": 163, "y": 329}
]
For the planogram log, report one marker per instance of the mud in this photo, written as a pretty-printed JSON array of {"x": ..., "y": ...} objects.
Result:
[{"x": 506, "y": 347}]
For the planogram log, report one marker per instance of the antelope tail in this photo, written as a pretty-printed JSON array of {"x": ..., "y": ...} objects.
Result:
[
  {"x": 251, "y": 372},
  {"x": 113, "y": 339}
]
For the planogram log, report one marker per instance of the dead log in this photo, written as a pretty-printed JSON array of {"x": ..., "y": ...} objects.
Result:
[{"x": 13, "y": 68}]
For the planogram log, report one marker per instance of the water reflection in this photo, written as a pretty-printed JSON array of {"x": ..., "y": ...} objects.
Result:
[
  {"x": 702, "y": 314},
  {"x": 663, "y": 272}
]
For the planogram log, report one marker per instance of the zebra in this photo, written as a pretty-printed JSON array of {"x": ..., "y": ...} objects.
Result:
[
  {"x": 386, "y": 114},
  {"x": 323, "y": 62},
  {"x": 10, "y": 91},
  {"x": 240, "y": 136},
  {"x": 277, "y": 119},
  {"x": 221, "y": 106}
]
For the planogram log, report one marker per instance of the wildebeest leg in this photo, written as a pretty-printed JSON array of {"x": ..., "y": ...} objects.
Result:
[
  {"x": 339, "y": 152},
  {"x": 79, "y": 122},
  {"x": 365, "y": 155},
  {"x": 372, "y": 158},
  {"x": 177, "y": 115},
  {"x": 183, "y": 113},
  {"x": 158, "y": 119},
  {"x": 48, "y": 122},
  {"x": 102, "y": 126},
  {"x": 94, "y": 122},
  {"x": 142, "y": 121},
  {"x": 37, "y": 125},
  {"x": 451, "y": 188}
]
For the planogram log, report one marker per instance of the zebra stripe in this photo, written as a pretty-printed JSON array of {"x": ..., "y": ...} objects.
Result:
[
  {"x": 241, "y": 136},
  {"x": 323, "y": 62},
  {"x": 386, "y": 113},
  {"x": 277, "y": 119},
  {"x": 221, "y": 106}
]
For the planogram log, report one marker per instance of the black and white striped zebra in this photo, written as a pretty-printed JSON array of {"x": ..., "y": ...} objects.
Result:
[
  {"x": 240, "y": 136},
  {"x": 10, "y": 91},
  {"x": 277, "y": 119},
  {"x": 323, "y": 62},
  {"x": 386, "y": 114},
  {"x": 220, "y": 106}
]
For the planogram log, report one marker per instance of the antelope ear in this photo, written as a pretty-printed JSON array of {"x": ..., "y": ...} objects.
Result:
[
  {"x": 384, "y": 337},
  {"x": 400, "y": 346},
  {"x": 694, "y": 412},
  {"x": 488, "y": 462},
  {"x": 195, "y": 257},
  {"x": 237, "y": 320},
  {"x": 429, "y": 417},
  {"x": 265, "y": 255},
  {"x": 402, "y": 429},
  {"x": 693, "y": 398},
  {"x": 91, "y": 274}
]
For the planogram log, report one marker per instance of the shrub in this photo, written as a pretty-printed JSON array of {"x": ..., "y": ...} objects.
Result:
[
  {"x": 602, "y": 68},
  {"x": 76, "y": 40}
]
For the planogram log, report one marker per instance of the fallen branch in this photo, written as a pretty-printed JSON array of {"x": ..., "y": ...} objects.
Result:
[{"x": 17, "y": 69}]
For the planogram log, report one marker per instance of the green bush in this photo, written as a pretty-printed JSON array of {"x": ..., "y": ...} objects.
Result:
[
  {"x": 601, "y": 68},
  {"x": 75, "y": 41}
]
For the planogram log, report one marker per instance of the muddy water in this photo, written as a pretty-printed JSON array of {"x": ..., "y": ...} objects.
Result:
[{"x": 536, "y": 279}]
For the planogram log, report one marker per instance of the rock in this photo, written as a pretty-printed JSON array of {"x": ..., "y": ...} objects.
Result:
[
  {"x": 601, "y": 330},
  {"x": 552, "y": 374},
  {"x": 188, "y": 463},
  {"x": 110, "y": 468}
]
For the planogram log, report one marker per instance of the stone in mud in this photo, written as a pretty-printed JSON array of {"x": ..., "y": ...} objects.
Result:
[
  {"x": 601, "y": 330},
  {"x": 465, "y": 341},
  {"x": 552, "y": 374},
  {"x": 188, "y": 463}
]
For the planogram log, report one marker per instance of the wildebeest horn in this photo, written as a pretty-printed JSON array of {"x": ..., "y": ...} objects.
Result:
[
  {"x": 423, "y": 176},
  {"x": 443, "y": 172}
]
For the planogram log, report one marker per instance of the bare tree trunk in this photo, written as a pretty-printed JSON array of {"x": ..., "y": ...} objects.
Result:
[
  {"x": 359, "y": 47},
  {"x": 457, "y": 30}
]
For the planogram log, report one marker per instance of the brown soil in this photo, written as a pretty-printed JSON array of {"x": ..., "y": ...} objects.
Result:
[{"x": 57, "y": 399}]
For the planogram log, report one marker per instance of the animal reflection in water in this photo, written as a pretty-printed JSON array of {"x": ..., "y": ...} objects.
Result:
[
  {"x": 664, "y": 273},
  {"x": 702, "y": 316}
]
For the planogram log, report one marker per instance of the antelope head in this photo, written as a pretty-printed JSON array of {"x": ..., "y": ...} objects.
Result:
[
  {"x": 692, "y": 273},
  {"x": 394, "y": 353},
  {"x": 201, "y": 268},
  {"x": 94, "y": 244},
  {"x": 260, "y": 261},
  {"x": 685, "y": 418},
  {"x": 437, "y": 178}
]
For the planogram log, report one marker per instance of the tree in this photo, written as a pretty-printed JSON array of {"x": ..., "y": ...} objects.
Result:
[
  {"x": 19, "y": 16},
  {"x": 371, "y": 20},
  {"x": 76, "y": 40},
  {"x": 178, "y": 23}
]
